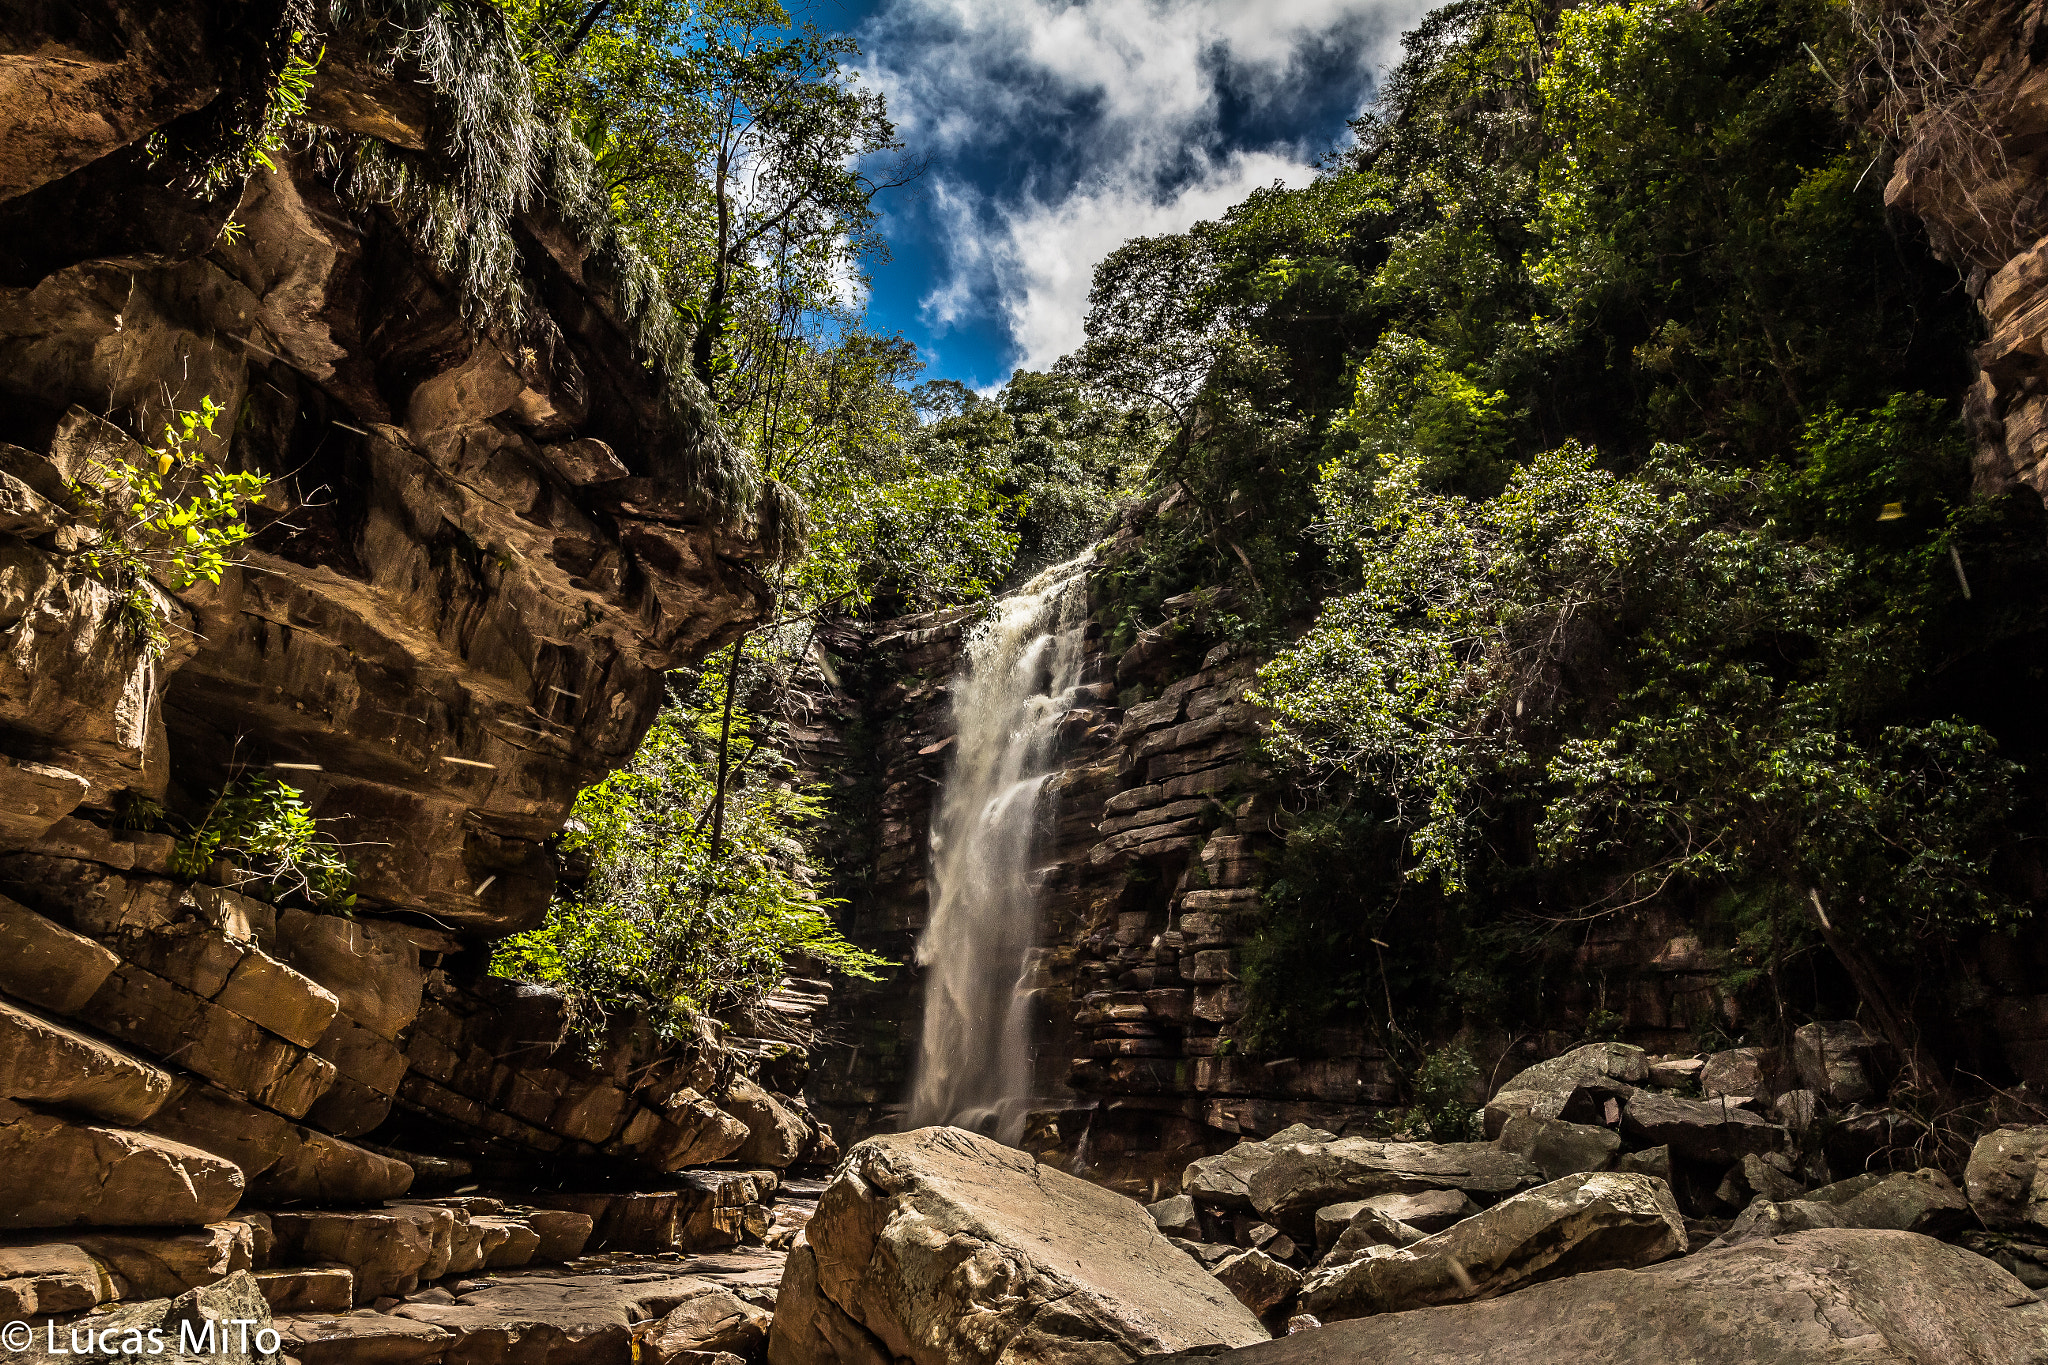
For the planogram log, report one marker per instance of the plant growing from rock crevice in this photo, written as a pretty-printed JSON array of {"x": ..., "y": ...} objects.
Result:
[
  {"x": 264, "y": 826},
  {"x": 171, "y": 517}
]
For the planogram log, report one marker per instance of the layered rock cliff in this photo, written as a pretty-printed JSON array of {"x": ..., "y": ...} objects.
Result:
[{"x": 485, "y": 535}]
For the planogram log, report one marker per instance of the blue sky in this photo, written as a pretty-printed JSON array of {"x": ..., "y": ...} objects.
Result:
[{"x": 1057, "y": 129}]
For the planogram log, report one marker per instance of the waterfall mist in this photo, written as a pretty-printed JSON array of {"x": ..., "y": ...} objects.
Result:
[{"x": 1023, "y": 664}]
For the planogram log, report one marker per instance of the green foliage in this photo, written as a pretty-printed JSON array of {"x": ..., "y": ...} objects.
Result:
[
  {"x": 174, "y": 518},
  {"x": 1059, "y": 458},
  {"x": 665, "y": 921},
  {"x": 1680, "y": 694},
  {"x": 265, "y": 827},
  {"x": 1584, "y": 437},
  {"x": 1442, "y": 1089}
]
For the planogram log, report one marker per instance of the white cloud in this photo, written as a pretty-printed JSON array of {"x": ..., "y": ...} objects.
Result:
[
  {"x": 1046, "y": 255},
  {"x": 1124, "y": 109}
]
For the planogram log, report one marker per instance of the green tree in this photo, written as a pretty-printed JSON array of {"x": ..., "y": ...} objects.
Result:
[{"x": 669, "y": 919}]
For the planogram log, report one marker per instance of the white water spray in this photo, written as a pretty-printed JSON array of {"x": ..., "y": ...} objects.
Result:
[{"x": 1023, "y": 664}]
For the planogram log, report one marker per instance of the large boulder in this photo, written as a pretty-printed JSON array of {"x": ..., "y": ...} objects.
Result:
[
  {"x": 941, "y": 1247},
  {"x": 1712, "y": 1131},
  {"x": 1545, "y": 1089},
  {"x": 2007, "y": 1180},
  {"x": 1261, "y": 1283},
  {"x": 1557, "y": 1148},
  {"x": 712, "y": 1319},
  {"x": 1737, "y": 1071},
  {"x": 51, "y": 1064},
  {"x": 1570, "y": 1226},
  {"x": 1924, "y": 1201},
  {"x": 777, "y": 1134},
  {"x": 1840, "y": 1060},
  {"x": 55, "y": 1173},
  {"x": 1300, "y": 1178},
  {"x": 1816, "y": 1298}
]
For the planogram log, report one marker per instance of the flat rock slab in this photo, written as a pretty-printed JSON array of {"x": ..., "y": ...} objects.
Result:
[
  {"x": 1303, "y": 1177},
  {"x": 56, "y": 1173},
  {"x": 361, "y": 1338},
  {"x": 1839, "y": 1297},
  {"x": 1712, "y": 1131},
  {"x": 941, "y": 1247},
  {"x": 1570, "y": 1226},
  {"x": 45, "y": 1062},
  {"x": 556, "y": 1320}
]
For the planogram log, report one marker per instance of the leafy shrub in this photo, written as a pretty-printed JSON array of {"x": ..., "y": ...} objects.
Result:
[
  {"x": 174, "y": 518},
  {"x": 266, "y": 828},
  {"x": 666, "y": 921},
  {"x": 1442, "y": 1088}
]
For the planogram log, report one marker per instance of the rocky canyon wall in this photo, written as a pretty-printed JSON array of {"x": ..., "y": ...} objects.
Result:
[
  {"x": 1159, "y": 834},
  {"x": 480, "y": 546}
]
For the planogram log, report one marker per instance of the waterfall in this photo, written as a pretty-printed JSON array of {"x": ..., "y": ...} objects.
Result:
[{"x": 1023, "y": 664}]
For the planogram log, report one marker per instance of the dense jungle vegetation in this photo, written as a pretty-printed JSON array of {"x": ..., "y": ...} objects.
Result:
[
  {"x": 1586, "y": 442},
  {"x": 1583, "y": 447}
]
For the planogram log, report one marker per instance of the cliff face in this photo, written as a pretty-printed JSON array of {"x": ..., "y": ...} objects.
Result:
[
  {"x": 484, "y": 538},
  {"x": 1973, "y": 167}
]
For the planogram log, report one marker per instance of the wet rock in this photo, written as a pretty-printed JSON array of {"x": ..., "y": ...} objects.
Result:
[
  {"x": 1568, "y": 1227},
  {"x": 1840, "y": 1061},
  {"x": 1260, "y": 1282},
  {"x": 50, "y": 1064},
  {"x": 2007, "y": 1181},
  {"x": 1710, "y": 1131},
  {"x": 1817, "y": 1298},
  {"x": 1558, "y": 1148},
  {"x": 57, "y": 1173},
  {"x": 946, "y": 1247},
  {"x": 1544, "y": 1090}
]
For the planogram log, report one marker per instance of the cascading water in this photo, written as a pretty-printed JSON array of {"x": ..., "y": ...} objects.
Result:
[{"x": 1023, "y": 664}]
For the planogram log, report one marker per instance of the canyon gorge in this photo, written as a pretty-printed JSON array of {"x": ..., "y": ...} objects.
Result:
[{"x": 1108, "y": 1064}]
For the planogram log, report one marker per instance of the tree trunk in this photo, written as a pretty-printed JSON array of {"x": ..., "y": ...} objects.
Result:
[
  {"x": 1892, "y": 1021},
  {"x": 732, "y": 681}
]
